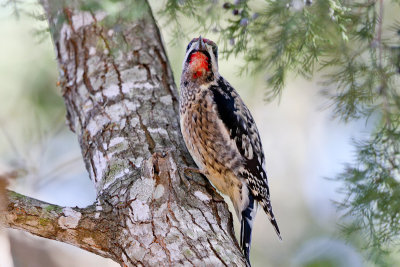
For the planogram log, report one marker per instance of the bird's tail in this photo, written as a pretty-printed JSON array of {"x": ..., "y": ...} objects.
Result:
[
  {"x": 247, "y": 219},
  {"x": 266, "y": 204}
]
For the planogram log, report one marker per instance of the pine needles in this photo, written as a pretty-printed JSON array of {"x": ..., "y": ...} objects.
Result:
[{"x": 357, "y": 49}]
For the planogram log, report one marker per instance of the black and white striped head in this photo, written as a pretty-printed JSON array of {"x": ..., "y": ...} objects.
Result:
[{"x": 201, "y": 59}]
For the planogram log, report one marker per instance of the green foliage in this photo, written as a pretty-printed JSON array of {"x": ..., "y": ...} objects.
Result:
[
  {"x": 351, "y": 43},
  {"x": 372, "y": 188},
  {"x": 174, "y": 10},
  {"x": 357, "y": 49}
]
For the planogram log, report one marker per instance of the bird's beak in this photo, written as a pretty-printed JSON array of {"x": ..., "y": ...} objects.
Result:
[{"x": 200, "y": 44}]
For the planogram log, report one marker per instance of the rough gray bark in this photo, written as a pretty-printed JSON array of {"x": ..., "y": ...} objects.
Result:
[
  {"x": 84, "y": 228},
  {"x": 122, "y": 103}
]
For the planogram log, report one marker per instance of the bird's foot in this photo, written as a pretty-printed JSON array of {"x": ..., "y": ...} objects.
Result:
[
  {"x": 191, "y": 170},
  {"x": 186, "y": 174}
]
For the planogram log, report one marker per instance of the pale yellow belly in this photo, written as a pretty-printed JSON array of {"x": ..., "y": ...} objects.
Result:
[{"x": 211, "y": 148}]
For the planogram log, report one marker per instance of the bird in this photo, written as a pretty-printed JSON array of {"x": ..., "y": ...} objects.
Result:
[{"x": 222, "y": 137}]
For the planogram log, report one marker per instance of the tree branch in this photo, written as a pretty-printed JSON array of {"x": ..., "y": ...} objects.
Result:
[
  {"x": 85, "y": 228},
  {"x": 121, "y": 102}
]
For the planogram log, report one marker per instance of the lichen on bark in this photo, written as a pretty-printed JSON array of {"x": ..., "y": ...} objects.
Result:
[{"x": 121, "y": 102}]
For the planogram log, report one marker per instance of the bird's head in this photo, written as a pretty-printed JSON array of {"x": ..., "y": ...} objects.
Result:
[{"x": 201, "y": 60}]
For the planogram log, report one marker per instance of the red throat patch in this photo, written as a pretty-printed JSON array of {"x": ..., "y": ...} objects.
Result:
[{"x": 198, "y": 64}]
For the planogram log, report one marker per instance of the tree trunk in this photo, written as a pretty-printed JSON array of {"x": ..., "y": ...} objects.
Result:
[{"x": 122, "y": 103}]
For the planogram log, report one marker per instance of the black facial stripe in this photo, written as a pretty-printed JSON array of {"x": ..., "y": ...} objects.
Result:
[
  {"x": 191, "y": 42},
  {"x": 215, "y": 51}
]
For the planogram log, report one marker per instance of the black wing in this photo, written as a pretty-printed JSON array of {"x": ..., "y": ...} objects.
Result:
[{"x": 243, "y": 130}]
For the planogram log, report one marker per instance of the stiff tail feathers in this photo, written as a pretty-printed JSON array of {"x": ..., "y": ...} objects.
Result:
[
  {"x": 248, "y": 216},
  {"x": 268, "y": 210}
]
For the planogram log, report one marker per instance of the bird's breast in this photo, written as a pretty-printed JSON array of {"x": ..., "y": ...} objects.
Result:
[{"x": 208, "y": 141}]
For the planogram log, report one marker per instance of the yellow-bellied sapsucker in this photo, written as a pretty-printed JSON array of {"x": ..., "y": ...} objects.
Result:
[{"x": 222, "y": 137}]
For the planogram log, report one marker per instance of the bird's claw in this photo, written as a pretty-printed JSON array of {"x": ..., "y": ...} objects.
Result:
[{"x": 187, "y": 173}]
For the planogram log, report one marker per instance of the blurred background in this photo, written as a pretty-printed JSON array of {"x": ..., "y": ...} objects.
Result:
[{"x": 303, "y": 145}]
